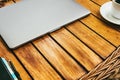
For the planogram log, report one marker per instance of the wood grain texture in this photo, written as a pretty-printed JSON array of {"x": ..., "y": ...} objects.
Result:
[
  {"x": 95, "y": 10},
  {"x": 76, "y": 48},
  {"x": 10, "y": 3},
  {"x": 107, "y": 69},
  {"x": 59, "y": 58},
  {"x": 90, "y": 38},
  {"x": 99, "y": 26},
  {"x": 61, "y": 54},
  {"x": 36, "y": 64},
  {"x": 103, "y": 29},
  {"x": 90, "y": 6},
  {"x": 101, "y": 2},
  {"x": 8, "y": 55}
]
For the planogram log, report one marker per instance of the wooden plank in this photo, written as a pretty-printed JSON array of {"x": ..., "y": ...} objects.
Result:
[
  {"x": 103, "y": 29},
  {"x": 36, "y": 64},
  {"x": 90, "y": 38},
  {"x": 91, "y": 6},
  {"x": 76, "y": 48},
  {"x": 5, "y": 53},
  {"x": 95, "y": 10},
  {"x": 59, "y": 58},
  {"x": 100, "y": 2},
  {"x": 10, "y": 3},
  {"x": 107, "y": 31}
]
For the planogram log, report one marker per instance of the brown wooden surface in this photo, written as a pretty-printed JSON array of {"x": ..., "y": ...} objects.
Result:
[
  {"x": 35, "y": 63},
  {"x": 100, "y": 2},
  {"x": 76, "y": 48},
  {"x": 59, "y": 58},
  {"x": 8, "y": 55},
  {"x": 69, "y": 52}
]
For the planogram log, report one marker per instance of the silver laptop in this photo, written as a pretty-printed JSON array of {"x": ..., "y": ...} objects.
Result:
[{"x": 29, "y": 19}]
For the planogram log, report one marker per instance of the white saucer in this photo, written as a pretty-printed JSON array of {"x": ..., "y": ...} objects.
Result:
[{"x": 105, "y": 11}]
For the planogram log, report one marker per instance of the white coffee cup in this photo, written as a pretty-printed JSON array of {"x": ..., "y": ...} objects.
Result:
[{"x": 115, "y": 10}]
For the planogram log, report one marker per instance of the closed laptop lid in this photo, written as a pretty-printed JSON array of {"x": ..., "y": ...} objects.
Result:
[{"x": 28, "y": 19}]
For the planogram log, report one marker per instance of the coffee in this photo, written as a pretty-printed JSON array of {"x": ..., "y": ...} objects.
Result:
[{"x": 118, "y": 1}]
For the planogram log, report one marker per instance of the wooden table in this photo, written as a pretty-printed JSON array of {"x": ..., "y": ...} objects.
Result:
[{"x": 69, "y": 52}]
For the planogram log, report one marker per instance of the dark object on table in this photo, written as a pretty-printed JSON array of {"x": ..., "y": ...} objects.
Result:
[
  {"x": 118, "y": 1},
  {"x": 8, "y": 71}
]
